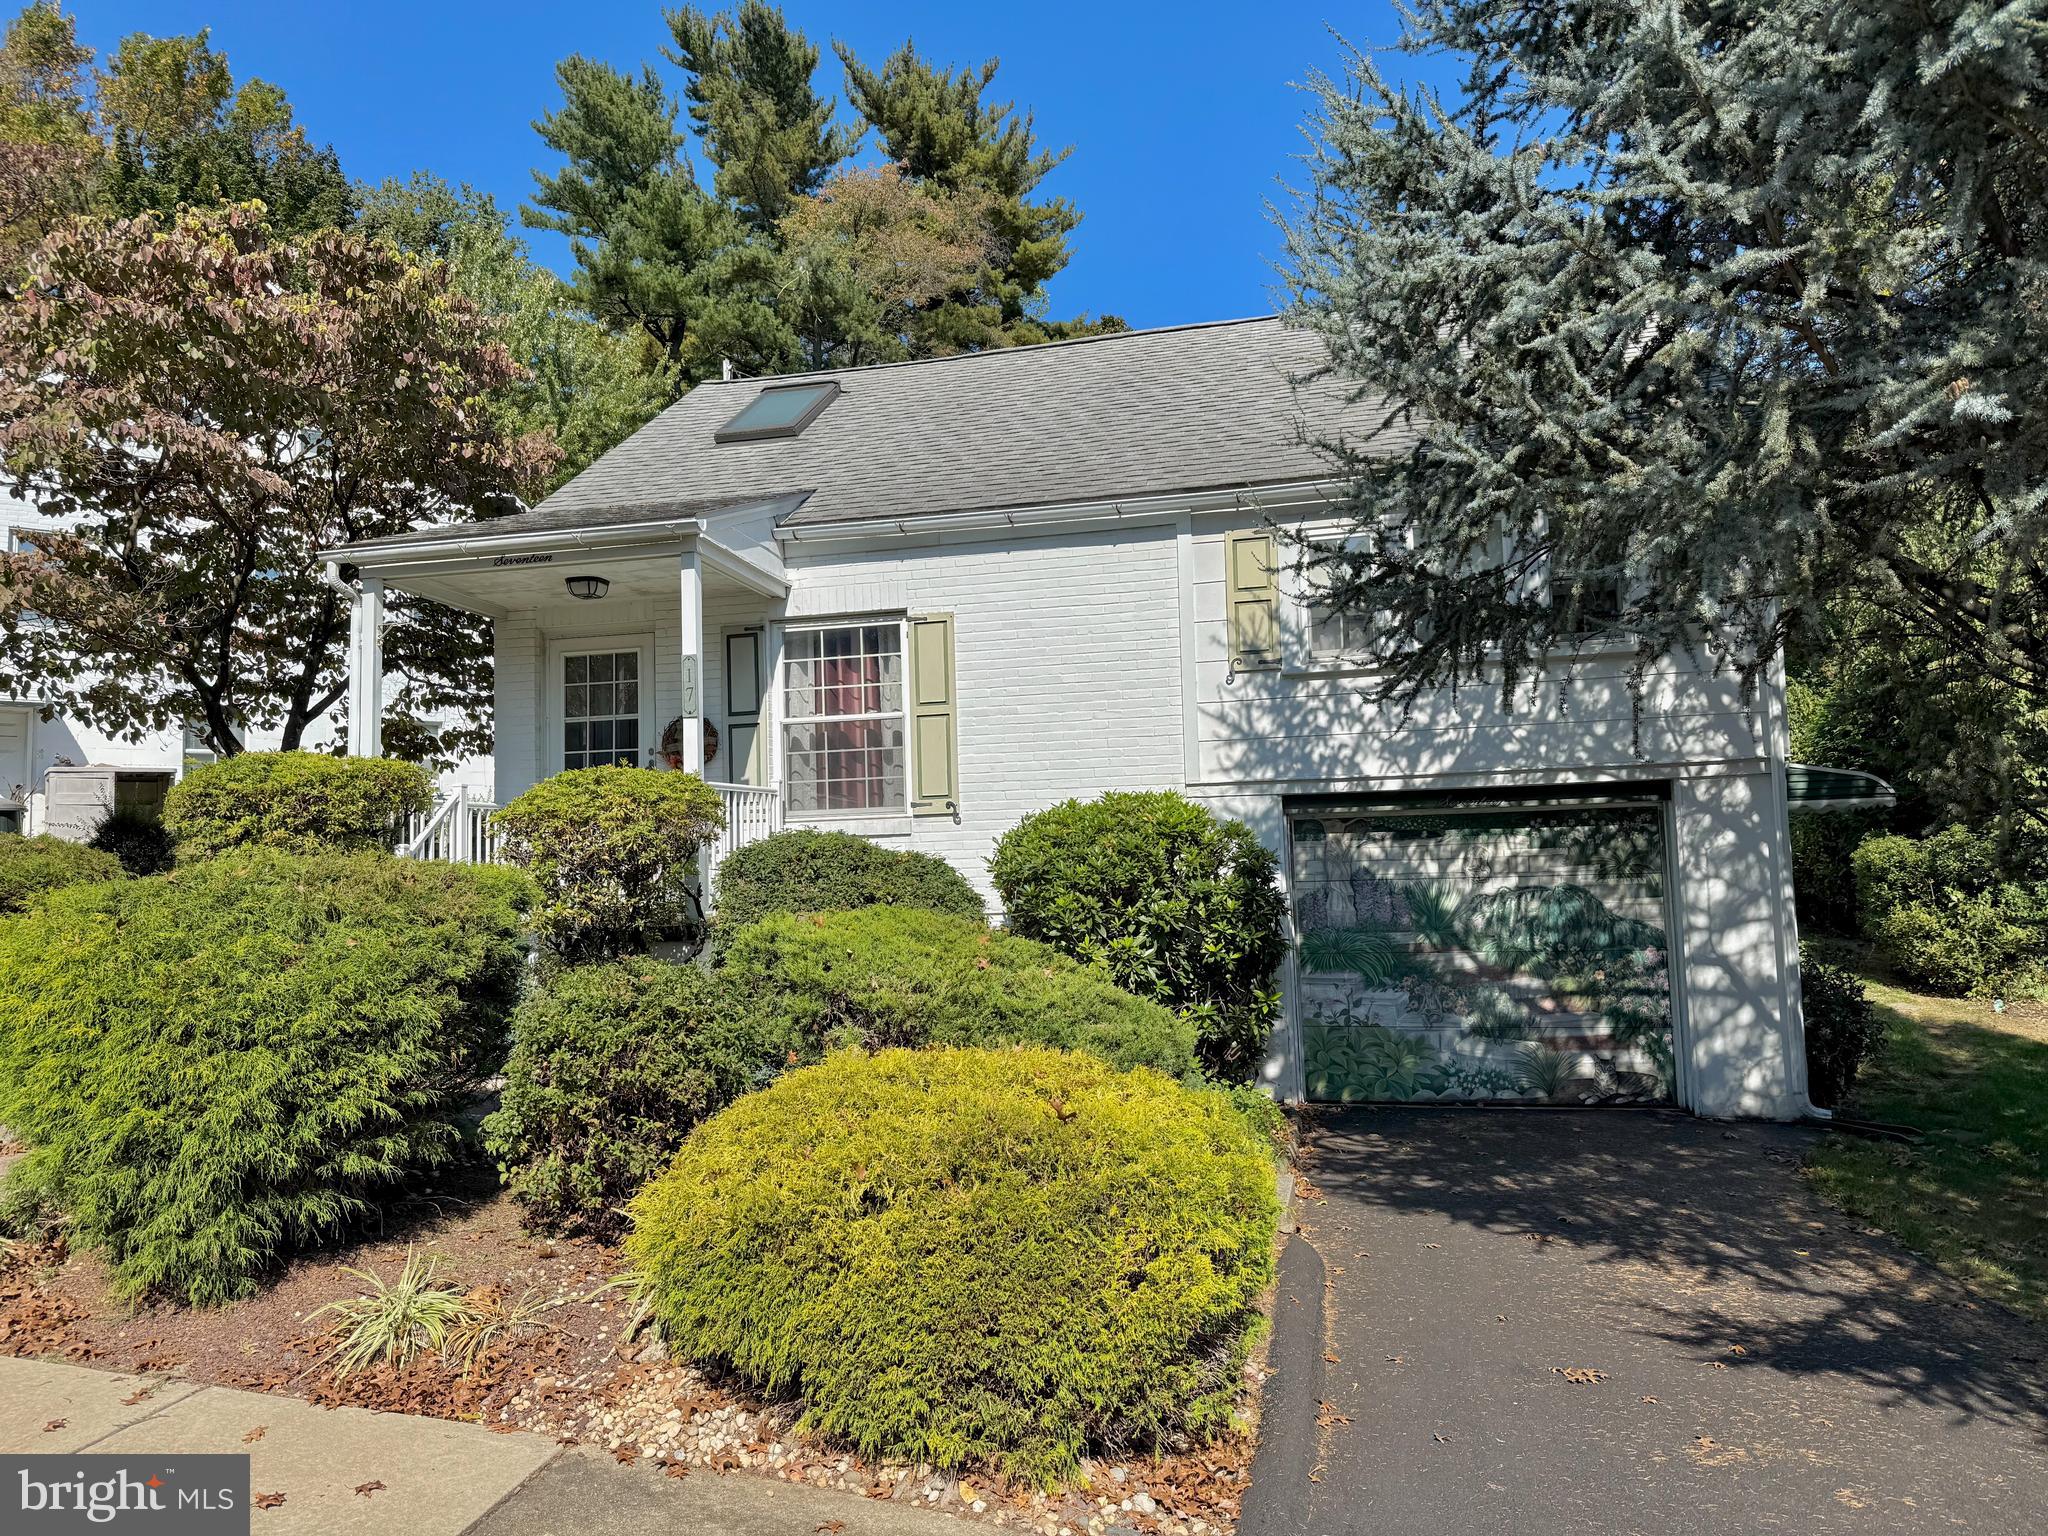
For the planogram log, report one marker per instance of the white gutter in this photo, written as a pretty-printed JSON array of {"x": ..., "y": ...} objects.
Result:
[
  {"x": 590, "y": 539},
  {"x": 1128, "y": 509}
]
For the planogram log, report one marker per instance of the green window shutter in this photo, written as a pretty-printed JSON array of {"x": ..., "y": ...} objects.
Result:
[
  {"x": 1251, "y": 576},
  {"x": 934, "y": 720}
]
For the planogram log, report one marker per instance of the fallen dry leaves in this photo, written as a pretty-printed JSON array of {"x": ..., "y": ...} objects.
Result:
[
  {"x": 1578, "y": 1375},
  {"x": 268, "y": 1500},
  {"x": 364, "y": 1490}
]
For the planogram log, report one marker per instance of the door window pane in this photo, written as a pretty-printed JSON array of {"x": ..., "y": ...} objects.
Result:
[{"x": 600, "y": 709}]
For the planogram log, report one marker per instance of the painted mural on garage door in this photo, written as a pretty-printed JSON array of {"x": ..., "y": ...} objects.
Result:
[{"x": 1484, "y": 951}]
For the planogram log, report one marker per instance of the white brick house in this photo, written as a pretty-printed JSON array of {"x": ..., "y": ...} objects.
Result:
[{"x": 921, "y": 601}]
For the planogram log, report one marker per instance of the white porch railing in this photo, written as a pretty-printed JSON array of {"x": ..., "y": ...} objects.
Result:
[
  {"x": 752, "y": 812},
  {"x": 457, "y": 831}
]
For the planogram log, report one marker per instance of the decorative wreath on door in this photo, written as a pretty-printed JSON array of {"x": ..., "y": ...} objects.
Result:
[{"x": 672, "y": 743}]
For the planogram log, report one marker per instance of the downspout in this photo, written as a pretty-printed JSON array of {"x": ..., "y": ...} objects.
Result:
[
  {"x": 330, "y": 575},
  {"x": 362, "y": 698}
]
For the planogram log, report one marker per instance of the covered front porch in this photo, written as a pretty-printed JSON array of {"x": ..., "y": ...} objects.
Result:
[{"x": 645, "y": 641}]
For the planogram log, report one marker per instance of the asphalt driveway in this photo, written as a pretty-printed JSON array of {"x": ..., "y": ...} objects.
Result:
[{"x": 1624, "y": 1321}]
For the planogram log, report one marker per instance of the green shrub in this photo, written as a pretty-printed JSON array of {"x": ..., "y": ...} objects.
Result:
[
  {"x": 1943, "y": 914},
  {"x": 1842, "y": 1028},
  {"x": 1823, "y": 872},
  {"x": 804, "y": 871},
  {"x": 32, "y": 866},
  {"x": 1178, "y": 905},
  {"x": 896, "y": 976},
  {"x": 611, "y": 1066},
  {"x": 295, "y": 802},
  {"x": 140, "y": 841},
  {"x": 614, "y": 850},
  {"x": 1014, "y": 1257},
  {"x": 221, "y": 1064}
]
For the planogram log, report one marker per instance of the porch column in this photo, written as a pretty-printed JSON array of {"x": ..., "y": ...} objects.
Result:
[
  {"x": 366, "y": 670},
  {"x": 690, "y": 619}
]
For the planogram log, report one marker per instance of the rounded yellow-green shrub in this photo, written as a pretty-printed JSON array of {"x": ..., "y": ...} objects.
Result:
[
  {"x": 1011, "y": 1258},
  {"x": 32, "y": 866},
  {"x": 295, "y": 802},
  {"x": 896, "y": 976}
]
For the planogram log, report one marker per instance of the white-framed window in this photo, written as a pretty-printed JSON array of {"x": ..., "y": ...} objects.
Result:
[
  {"x": 1600, "y": 597},
  {"x": 601, "y": 708},
  {"x": 22, "y": 541},
  {"x": 843, "y": 721},
  {"x": 1344, "y": 636},
  {"x": 1337, "y": 634},
  {"x": 1350, "y": 637}
]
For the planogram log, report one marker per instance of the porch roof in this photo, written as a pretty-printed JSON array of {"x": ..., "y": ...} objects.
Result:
[
  {"x": 518, "y": 562},
  {"x": 549, "y": 518}
]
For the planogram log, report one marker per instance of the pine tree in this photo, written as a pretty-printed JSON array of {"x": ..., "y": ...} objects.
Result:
[
  {"x": 791, "y": 260},
  {"x": 1732, "y": 306},
  {"x": 938, "y": 127},
  {"x": 654, "y": 252},
  {"x": 748, "y": 85}
]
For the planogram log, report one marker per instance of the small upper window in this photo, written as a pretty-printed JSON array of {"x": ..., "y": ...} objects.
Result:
[{"x": 781, "y": 411}]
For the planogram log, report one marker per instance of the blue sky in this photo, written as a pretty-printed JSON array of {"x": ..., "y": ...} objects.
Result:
[{"x": 1184, "y": 118}]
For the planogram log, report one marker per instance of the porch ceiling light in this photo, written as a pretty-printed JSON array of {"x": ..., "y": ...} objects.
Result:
[{"x": 587, "y": 586}]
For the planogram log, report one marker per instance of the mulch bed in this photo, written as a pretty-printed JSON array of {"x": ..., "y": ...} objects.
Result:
[{"x": 576, "y": 1376}]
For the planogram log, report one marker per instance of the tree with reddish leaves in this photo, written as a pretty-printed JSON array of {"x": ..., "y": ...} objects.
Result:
[{"x": 207, "y": 406}]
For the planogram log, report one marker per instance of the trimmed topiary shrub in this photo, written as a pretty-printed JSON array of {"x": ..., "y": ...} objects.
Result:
[
  {"x": 804, "y": 871},
  {"x": 1944, "y": 915},
  {"x": 216, "y": 1066},
  {"x": 614, "y": 850},
  {"x": 1842, "y": 1028},
  {"x": 141, "y": 842},
  {"x": 896, "y": 976},
  {"x": 1008, "y": 1257},
  {"x": 1178, "y": 905},
  {"x": 295, "y": 802},
  {"x": 611, "y": 1067},
  {"x": 33, "y": 866}
]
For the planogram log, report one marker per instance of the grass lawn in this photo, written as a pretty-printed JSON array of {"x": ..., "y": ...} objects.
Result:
[{"x": 1973, "y": 1194}]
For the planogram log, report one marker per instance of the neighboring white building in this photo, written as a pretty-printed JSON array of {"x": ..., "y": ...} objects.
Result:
[
  {"x": 31, "y": 746},
  {"x": 920, "y": 601}
]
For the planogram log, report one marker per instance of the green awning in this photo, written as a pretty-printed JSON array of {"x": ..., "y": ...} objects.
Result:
[{"x": 1835, "y": 789}]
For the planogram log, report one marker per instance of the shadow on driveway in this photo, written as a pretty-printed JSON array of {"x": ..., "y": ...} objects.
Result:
[{"x": 1741, "y": 1355}]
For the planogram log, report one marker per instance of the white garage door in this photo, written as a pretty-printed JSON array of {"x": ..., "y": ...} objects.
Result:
[{"x": 1483, "y": 949}]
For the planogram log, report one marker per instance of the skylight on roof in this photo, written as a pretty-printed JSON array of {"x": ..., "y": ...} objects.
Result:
[{"x": 781, "y": 410}]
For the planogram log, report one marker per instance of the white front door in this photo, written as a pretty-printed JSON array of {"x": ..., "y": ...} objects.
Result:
[
  {"x": 15, "y": 727},
  {"x": 601, "y": 711}
]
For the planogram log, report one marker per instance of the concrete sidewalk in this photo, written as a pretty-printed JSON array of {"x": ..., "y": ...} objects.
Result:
[{"x": 425, "y": 1477}]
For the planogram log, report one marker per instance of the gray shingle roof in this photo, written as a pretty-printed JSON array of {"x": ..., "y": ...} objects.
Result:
[{"x": 1186, "y": 408}]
